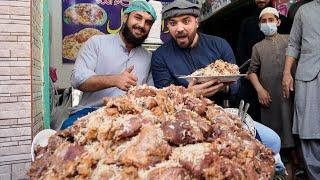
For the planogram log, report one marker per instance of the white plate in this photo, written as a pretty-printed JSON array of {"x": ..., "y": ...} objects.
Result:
[
  {"x": 41, "y": 139},
  {"x": 202, "y": 79},
  {"x": 248, "y": 121}
]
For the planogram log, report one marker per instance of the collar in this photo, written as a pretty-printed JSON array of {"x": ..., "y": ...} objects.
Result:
[
  {"x": 272, "y": 37},
  {"x": 196, "y": 43},
  {"x": 121, "y": 42}
]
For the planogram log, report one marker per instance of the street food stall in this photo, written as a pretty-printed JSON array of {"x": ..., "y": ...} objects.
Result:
[{"x": 149, "y": 133}]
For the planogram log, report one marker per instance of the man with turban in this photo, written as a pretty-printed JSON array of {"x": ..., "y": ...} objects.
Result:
[{"x": 108, "y": 65}]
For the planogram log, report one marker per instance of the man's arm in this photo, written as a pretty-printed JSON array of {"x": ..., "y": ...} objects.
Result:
[
  {"x": 292, "y": 54},
  {"x": 84, "y": 78},
  {"x": 287, "y": 80},
  {"x": 96, "y": 83},
  {"x": 99, "y": 82},
  {"x": 206, "y": 89}
]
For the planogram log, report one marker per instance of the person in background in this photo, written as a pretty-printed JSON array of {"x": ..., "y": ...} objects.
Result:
[
  {"x": 303, "y": 49},
  {"x": 265, "y": 74},
  {"x": 189, "y": 50},
  {"x": 249, "y": 35},
  {"x": 108, "y": 65}
]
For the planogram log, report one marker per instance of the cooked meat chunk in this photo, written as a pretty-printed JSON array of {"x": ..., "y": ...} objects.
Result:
[
  {"x": 164, "y": 173},
  {"x": 149, "y": 148}
]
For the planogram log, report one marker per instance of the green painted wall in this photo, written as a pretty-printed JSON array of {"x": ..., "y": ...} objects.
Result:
[{"x": 46, "y": 95}]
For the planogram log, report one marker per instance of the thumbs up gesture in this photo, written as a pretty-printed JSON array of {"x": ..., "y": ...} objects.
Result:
[{"x": 126, "y": 79}]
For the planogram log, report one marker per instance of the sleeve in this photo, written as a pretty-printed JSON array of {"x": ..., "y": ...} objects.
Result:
[
  {"x": 160, "y": 72},
  {"x": 294, "y": 44},
  {"x": 85, "y": 63},
  {"x": 255, "y": 63}
]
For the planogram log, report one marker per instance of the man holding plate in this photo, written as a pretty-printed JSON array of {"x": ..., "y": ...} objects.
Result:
[{"x": 189, "y": 50}]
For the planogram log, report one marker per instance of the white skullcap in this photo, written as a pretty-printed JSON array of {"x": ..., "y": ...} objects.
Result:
[{"x": 269, "y": 10}]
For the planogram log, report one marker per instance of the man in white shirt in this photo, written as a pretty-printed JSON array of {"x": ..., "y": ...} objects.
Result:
[{"x": 108, "y": 65}]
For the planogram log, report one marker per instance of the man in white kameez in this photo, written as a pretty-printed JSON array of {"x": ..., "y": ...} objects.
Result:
[{"x": 304, "y": 48}]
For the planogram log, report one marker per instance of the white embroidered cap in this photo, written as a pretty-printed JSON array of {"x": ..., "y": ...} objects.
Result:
[{"x": 269, "y": 10}]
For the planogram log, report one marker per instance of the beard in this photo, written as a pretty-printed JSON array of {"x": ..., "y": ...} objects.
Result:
[
  {"x": 129, "y": 36},
  {"x": 190, "y": 39}
]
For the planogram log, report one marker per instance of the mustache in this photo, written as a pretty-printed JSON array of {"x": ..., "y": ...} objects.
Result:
[
  {"x": 181, "y": 34},
  {"x": 139, "y": 27}
]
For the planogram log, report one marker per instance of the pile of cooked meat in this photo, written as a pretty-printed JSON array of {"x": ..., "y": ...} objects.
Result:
[{"x": 154, "y": 134}]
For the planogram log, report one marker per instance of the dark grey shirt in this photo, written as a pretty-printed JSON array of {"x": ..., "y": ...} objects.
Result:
[
  {"x": 107, "y": 55},
  {"x": 304, "y": 41}
]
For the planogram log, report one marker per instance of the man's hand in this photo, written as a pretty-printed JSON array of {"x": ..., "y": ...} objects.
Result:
[
  {"x": 287, "y": 84},
  {"x": 126, "y": 79},
  {"x": 264, "y": 97},
  {"x": 206, "y": 89}
]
